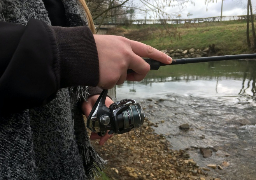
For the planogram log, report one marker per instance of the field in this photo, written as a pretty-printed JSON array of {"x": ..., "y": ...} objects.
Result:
[{"x": 229, "y": 37}]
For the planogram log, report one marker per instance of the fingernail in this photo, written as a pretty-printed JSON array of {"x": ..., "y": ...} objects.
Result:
[{"x": 169, "y": 59}]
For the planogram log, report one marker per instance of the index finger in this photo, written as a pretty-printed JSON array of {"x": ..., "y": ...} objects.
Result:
[{"x": 144, "y": 50}]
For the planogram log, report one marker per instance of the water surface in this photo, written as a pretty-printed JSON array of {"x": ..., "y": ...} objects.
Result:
[{"x": 216, "y": 99}]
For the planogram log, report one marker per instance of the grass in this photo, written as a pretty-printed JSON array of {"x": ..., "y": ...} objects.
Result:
[
  {"x": 229, "y": 37},
  {"x": 103, "y": 176}
]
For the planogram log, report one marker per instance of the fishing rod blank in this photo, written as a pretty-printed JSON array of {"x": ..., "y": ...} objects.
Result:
[{"x": 154, "y": 65}]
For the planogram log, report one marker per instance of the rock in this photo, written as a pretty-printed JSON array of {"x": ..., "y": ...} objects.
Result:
[
  {"x": 184, "y": 127},
  {"x": 171, "y": 51},
  {"x": 164, "y": 51},
  {"x": 222, "y": 154},
  {"x": 206, "y": 152},
  {"x": 219, "y": 167},
  {"x": 151, "y": 124},
  {"x": 204, "y": 54},
  {"x": 244, "y": 122},
  {"x": 225, "y": 164},
  {"x": 206, "y": 169},
  {"x": 206, "y": 49},
  {"x": 185, "y": 52},
  {"x": 202, "y": 137},
  {"x": 192, "y": 50},
  {"x": 179, "y": 51},
  {"x": 115, "y": 170},
  {"x": 213, "y": 166}
]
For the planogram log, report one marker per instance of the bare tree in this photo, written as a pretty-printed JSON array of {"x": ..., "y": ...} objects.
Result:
[
  {"x": 221, "y": 10},
  {"x": 248, "y": 26},
  {"x": 250, "y": 16},
  {"x": 106, "y": 9}
]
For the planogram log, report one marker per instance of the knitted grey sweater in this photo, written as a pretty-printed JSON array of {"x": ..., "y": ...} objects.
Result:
[{"x": 47, "y": 142}]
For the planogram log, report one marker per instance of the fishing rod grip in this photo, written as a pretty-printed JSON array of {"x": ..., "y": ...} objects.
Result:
[{"x": 154, "y": 65}]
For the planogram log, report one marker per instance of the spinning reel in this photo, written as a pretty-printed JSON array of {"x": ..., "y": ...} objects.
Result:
[{"x": 119, "y": 118}]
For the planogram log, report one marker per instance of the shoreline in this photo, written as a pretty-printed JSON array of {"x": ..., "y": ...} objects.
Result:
[{"x": 147, "y": 157}]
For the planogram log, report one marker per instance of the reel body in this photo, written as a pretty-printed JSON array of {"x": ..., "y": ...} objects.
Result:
[{"x": 119, "y": 118}]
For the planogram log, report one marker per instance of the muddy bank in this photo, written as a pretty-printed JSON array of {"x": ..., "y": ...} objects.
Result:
[{"x": 146, "y": 155}]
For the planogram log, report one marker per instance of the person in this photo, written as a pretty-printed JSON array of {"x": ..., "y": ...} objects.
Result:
[{"x": 52, "y": 69}]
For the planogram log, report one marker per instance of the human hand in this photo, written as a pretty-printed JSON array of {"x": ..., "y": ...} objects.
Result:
[
  {"x": 87, "y": 107},
  {"x": 118, "y": 54}
]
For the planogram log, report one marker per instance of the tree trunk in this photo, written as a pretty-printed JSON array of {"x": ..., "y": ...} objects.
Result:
[
  {"x": 221, "y": 10},
  {"x": 248, "y": 26},
  {"x": 253, "y": 30}
]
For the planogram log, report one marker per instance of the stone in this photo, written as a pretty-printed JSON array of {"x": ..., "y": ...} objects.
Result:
[
  {"x": 222, "y": 154},
  {"x": 220, "y": 168},
  {"x": 179, "y": 51},
  {"x": 202, "y": 137},
  {"x": 184, "y": 127},
  {"x": 206, "y": 169},
  {"x": 192, "y": 50},
  {"x": 225, "y": 164},
  {"x": 206, "y": 49},
  {"x": 115, "y": 170},
  {"x": 213, "y": 166},
  {"x": 177, "y": 54},
  {"x": 171, "y": 51},
  {"x": 185, "y": 52},
  {"x": 244, "y": 122},
  {"x": 164, "y": 51},
  {"x": 206, "y": 152}
]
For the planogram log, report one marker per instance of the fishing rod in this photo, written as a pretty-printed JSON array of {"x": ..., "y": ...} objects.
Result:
[{"x": 155, "y": 65}]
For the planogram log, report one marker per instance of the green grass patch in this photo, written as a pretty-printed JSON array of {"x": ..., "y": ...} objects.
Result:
[
  {"x": 229, "y": 37},
  {"x": 102, "y": 176}
]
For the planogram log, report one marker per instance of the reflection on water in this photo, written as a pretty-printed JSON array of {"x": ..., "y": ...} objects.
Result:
[
  {"x": 213, "y": 79},
  {"x": 216, "y": 99}
]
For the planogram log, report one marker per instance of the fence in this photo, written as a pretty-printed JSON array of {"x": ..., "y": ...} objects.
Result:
[{"x": 122, "y": 21}]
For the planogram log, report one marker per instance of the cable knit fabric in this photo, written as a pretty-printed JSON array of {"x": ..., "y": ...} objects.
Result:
[{"x": 48, "y": 142}]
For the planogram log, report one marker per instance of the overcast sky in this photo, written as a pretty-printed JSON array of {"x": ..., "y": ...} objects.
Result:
[{"x": 199, "y": 9}]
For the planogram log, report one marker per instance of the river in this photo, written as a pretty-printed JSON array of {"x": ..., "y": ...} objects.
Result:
[{"x": 218, "y": 102}]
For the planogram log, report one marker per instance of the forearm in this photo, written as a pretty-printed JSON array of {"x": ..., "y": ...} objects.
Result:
[{"x": 37, "y": 60}]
